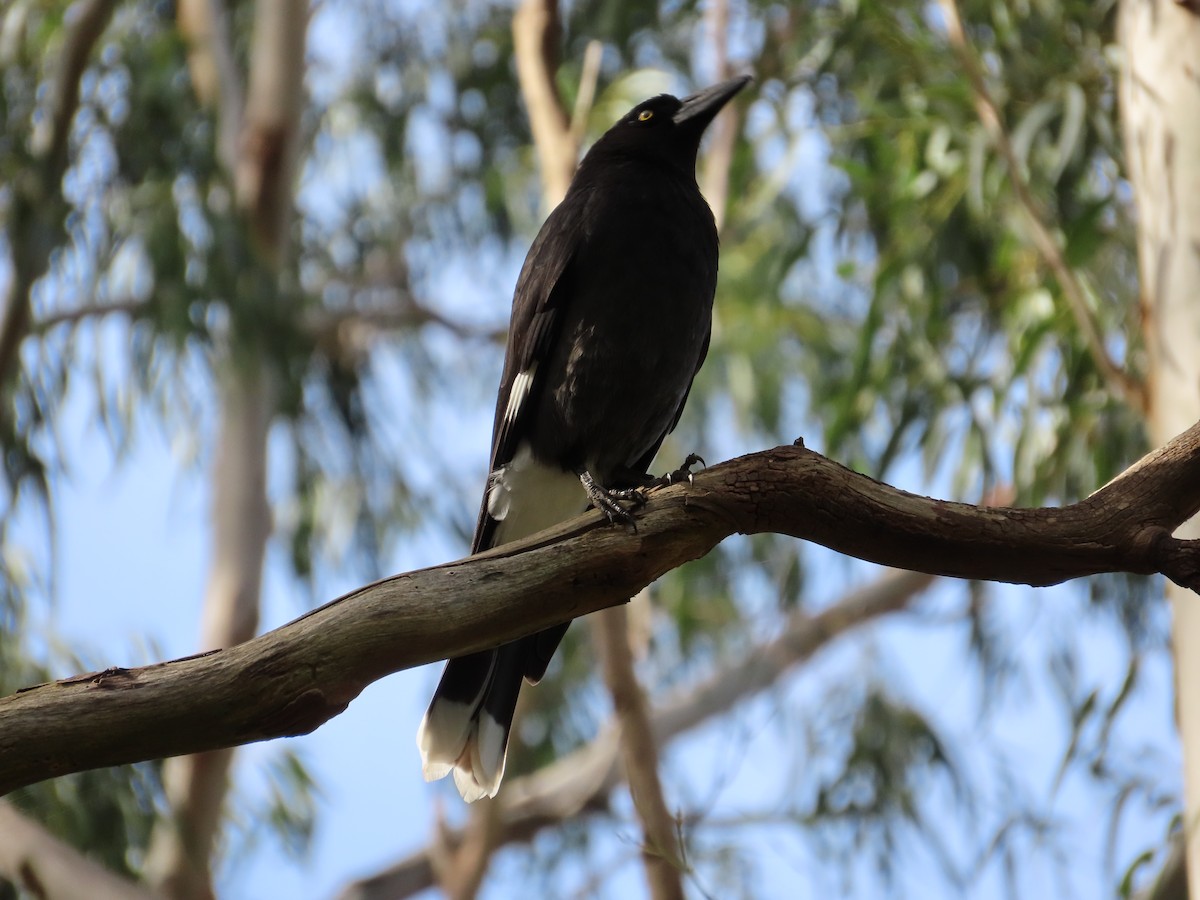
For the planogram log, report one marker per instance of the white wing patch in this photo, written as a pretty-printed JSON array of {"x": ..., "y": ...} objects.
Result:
[
  {"x": 520, "y": 390},
  {"x": 499, "y": 494},
  {"x": 527, "y": 496}
]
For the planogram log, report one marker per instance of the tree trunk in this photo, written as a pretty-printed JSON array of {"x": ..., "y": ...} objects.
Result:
[
  {"x": 257, "y": 146},
  {"x": 1160, "y": 100},
  {"x": 178, "y": 860}
]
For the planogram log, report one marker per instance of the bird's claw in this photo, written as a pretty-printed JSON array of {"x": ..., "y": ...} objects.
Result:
[
  {"x": 609, "y": 501},
  {"x": 684, "y": 472}
]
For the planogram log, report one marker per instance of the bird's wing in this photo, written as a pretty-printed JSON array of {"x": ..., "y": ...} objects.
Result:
[
  {"x": 643, "y": 464},
  {"x": 542, "y": 288}
]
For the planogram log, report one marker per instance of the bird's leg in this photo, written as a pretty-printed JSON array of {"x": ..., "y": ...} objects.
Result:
[
  {"x": 683, "y": 473},
  {"x": 609, "y": 501}
]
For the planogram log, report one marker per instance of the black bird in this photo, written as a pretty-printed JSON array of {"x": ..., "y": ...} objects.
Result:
[{"x": 610, "y": 322}]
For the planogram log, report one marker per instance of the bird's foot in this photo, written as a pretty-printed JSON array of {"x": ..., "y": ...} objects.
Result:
[
  {"x": 683, "y": 473},
  {"x": 609, "y": 501}
]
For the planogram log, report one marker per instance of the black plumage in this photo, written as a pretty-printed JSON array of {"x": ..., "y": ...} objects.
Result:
[{"x": 610, "y": 322}]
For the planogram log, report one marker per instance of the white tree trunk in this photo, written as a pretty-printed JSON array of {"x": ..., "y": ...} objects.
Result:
[
  {"x": 181, "y": 846},
  {"x": 261, "y": 159},
  {"x": 1160, "y": 105}
]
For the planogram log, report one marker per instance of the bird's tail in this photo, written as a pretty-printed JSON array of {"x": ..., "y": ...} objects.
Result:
[{"x": 465, "y": 729}]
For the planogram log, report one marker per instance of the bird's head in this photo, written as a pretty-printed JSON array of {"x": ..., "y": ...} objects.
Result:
[{"x": 667, "y": 129}]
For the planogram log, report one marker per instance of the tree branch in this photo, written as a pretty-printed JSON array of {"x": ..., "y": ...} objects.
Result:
[
  {"x": 459, "y": 859},
  {"x": 179, "y": 857},
  {"x": 715, "y": 184},
  {"x": 78, "y": 314},
  {"x": 291, "y": 680},
  {"x": 353, "y": 330},
  {"x": 581, "y": 781},
  {"x": 181, "y": 844},
  {"x": 41, "y": 865},
  {"x": 348, "y": 331},
  {"x": 87, "y": 21},
  {"x": 589, "y": 75},
  {"x": 662, "y": 856},
  {"x": 1160, "y": 119},
  {"x": 271, "y": 122},
  {"x": 536, "y": 38},
  {"x": 216, "y": 81},
  {"x": 38, "y": 208},
  {"x": 1171, "y": 882},
  {"x": 1127, "y": 387}
]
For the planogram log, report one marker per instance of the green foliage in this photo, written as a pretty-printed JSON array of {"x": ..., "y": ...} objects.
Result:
[
  {"x": 287, "y": 806},
  {"x": 941, "y": 329},
  {"x": 105, "y": 813},
  {"x": 893, "y": 753}
]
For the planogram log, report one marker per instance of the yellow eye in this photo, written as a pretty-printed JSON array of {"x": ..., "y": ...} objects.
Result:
[{"x": 645, "y": 115}]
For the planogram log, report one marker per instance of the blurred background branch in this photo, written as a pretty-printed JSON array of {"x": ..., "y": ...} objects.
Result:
[
  {"x": 581, "y": 782},
  {"x": 35, "y": 220},
  {"x": 35, "y": 861}
]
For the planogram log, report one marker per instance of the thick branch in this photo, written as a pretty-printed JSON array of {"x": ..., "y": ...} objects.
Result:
[
  {"x": 581, "y": 781},
  {"x": 292, "y": 679}
]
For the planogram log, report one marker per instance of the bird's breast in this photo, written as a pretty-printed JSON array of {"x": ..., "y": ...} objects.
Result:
[{"x": 635, "y": 321}]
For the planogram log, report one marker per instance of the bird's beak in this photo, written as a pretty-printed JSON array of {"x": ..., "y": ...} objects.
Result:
[{"x": 700, "y": 109}]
